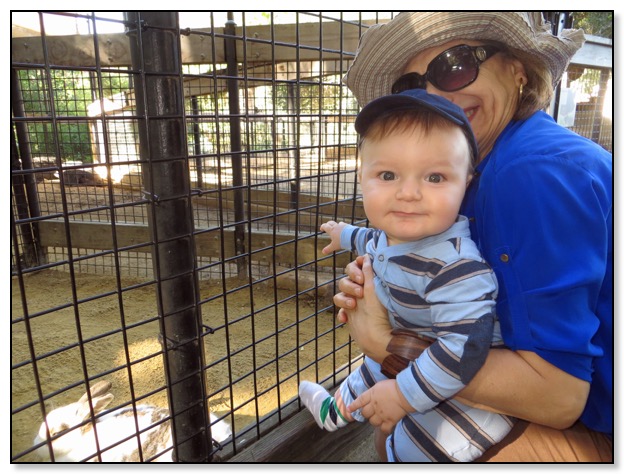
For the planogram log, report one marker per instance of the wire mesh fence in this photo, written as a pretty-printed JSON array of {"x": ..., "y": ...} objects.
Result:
[{"x": 170, "y": 168}]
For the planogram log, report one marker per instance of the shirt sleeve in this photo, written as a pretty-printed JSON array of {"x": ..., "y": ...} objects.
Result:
[
  {"x": 355, "y": 238},
  {"x": 462, "y": 298}
]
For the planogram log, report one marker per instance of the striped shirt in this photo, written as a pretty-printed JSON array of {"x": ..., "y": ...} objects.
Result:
[{"x": 440, "y": 287}]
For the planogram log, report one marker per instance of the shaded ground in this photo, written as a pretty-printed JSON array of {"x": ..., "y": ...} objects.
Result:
[{"x": 267, "y": 347}]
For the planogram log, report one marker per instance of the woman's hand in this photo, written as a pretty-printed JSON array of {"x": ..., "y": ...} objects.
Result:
[
  {"x": 367, "y": 319},
  {"x": 351, "y": 288}
]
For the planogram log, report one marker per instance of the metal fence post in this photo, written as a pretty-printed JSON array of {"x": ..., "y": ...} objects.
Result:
[
  {"x": 24, "y": 186},
  {"x": 235, "y": 143},
  {"x": 162, "y": 143},
  {"x": 199, "y": 169}
]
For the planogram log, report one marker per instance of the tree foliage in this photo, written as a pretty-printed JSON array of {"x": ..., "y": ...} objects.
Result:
[
  {"x": 64, "y": 96},
  {"x": 595, "y": 23}
]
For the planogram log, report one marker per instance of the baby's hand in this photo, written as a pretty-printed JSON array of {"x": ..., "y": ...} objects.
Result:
[
  {"x": 333, "y": 229},
  {"x": 383, "y": 404}
]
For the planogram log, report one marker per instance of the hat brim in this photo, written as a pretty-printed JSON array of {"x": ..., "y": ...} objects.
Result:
[{"x": 385, "y": 49}]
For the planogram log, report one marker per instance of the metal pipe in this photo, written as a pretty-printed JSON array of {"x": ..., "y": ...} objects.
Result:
[
  {"x": 197, "y": 143},
  {"x": 557, "y": 21},
  {"x": 21, "y": 159},
  {"x": 598, "y": 108},
  {"x": 292, "y": 106},
  {"x": 155, "y": 52},
  {"x": 27, "y": 253},
  {"x": 236, "y": 146}
]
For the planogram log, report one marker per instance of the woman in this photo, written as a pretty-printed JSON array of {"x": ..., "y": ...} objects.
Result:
[{"x": 541, "y": 211}]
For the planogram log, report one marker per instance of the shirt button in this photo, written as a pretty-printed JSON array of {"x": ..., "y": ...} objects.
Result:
[
  {"x": 381, "y": 258},
  {"x": 504, "y": 258}
]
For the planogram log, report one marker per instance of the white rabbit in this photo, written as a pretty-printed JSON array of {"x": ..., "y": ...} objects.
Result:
[{"x": 78, "y": 443}]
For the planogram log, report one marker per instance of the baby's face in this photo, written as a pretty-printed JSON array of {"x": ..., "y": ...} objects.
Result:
[{"x": 413, "y": 183}]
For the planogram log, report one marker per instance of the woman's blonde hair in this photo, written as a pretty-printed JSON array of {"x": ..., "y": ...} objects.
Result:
[{"x": 538, "y": 92}]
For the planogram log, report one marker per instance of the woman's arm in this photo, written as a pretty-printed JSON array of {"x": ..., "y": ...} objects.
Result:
[
  {"x": 519, "y": 384},
  {"x": 524, "y": 385}
]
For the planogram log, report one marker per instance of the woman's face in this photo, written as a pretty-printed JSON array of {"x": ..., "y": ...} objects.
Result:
[{"x": 490, "y": 102}]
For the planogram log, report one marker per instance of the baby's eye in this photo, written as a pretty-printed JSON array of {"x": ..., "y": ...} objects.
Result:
[
  {"x": 387, "y": 175},
  {"x": 435, "y": 178}
]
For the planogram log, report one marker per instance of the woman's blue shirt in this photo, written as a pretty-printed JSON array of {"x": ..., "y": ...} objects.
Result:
[{"x": 541, "y": 211}]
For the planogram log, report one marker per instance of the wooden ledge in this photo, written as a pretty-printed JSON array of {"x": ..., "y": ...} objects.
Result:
[{"x": 301, "y": 440}]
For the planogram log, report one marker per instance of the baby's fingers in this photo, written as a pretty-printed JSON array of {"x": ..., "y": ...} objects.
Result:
[
  {"x": 360, "y": 402},
  {"x": 328, "y": 226}
]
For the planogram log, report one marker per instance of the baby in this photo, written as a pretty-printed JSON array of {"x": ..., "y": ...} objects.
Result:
[{"x": 417, "y": 155}]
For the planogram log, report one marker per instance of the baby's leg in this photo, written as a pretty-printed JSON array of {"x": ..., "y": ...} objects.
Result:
[
  {"x": 451, "y": 432},
  {"x": 330, "y": 412}
]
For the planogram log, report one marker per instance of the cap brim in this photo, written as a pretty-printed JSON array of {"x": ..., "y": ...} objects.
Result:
[
  {"x": 385, "y": 104},
  {"x": 416, "y": 99}
]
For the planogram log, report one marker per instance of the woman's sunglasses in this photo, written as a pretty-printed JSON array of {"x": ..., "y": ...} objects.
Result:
[{"x": 449, "y": 71}]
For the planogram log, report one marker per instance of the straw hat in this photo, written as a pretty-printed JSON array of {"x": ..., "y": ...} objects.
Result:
[{"x": 385, "y": 49}]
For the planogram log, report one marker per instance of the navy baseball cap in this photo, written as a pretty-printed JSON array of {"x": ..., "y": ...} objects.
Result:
[{"x": 415, "y": 99}]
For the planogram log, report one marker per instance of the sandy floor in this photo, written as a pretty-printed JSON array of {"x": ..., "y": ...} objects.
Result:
[{"x": 280, "y": 333}]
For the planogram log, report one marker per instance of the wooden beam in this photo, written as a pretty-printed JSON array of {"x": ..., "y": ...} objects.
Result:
[
  {"x": 74, "y": 50},
  {"x": 262, "y": 246},
  {"x": 264, "y": 74},
  {"x": 275, "y": 206},
  {"x": 257, "y": 44},
  {"x": 596, "y": 52}
]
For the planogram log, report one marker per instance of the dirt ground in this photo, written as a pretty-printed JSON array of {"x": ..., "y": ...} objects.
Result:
[{"x": 267, "y": 346}]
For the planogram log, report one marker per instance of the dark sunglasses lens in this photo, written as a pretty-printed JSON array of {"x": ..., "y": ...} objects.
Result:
[
  {"x": 409, "y": 81},
  {"x": 453, "y": 69}
]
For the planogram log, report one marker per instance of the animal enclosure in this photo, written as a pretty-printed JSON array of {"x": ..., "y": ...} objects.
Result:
[{"x": 169, "y": 174}]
